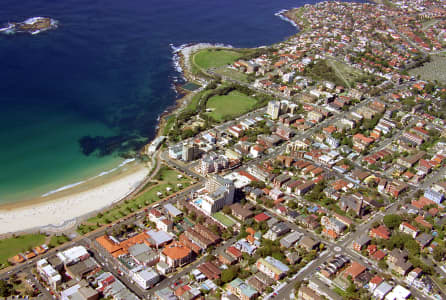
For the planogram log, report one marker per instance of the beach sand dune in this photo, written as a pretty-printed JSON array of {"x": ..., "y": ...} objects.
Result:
[{"x": 68, "y": 207}]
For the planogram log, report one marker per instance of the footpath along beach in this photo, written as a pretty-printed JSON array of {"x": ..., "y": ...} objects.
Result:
[{"x": 63, "y": 208}]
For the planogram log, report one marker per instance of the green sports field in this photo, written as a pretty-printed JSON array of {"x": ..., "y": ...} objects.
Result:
[
  {"x": 230, "y": 105},
  {"x": 214, "y": 58}
]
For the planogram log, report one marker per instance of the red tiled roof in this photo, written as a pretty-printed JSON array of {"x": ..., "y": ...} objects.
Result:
[
  {"x": 354, "y": 270},
  {"x": 261, "y": 217}
]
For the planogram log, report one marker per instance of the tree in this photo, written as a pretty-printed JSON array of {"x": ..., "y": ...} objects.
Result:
[
  {"x": 382, "y": 265},
  {"x": 229, "y": 274},
  {"x": 392, "y": 221},
  {"x": 226, "y": 209},
  {"x": 5, "y": 289},
  {"x": 439, "y": 253}
]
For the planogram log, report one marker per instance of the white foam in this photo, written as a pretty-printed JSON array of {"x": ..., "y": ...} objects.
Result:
[
  {"x": 281, "y": 15},
  {"x": 69, "y": 186}
]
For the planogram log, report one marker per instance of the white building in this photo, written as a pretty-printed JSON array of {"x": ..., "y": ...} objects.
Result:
[
  {"x": 49, "y": 274},
  {"x": 155, "y": 144},
  {"x": 220, "y": 193},
  {"x": 382, "y": 290},
  {"x": 73, "y": 255},
  {"x": 145, "y": 277},
  {"x": 273, "y": 109},
  {"x": 398, "y": 293}
]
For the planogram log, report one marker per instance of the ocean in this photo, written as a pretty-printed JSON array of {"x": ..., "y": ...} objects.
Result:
[{"x": 74, "y": 98}]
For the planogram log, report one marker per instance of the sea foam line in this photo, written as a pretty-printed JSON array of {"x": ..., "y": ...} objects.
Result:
[
  {"x": 281, "y": 15},
  {"x": 69, "y": 186}
]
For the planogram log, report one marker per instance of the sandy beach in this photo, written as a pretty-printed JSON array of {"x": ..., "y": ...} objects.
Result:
[{"x": 62, "y": 209}]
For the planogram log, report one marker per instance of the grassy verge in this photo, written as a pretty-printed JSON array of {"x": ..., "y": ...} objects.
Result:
[
  {"x": 169, "y": 124},
  {"x": 231, "y": 105},
  {"x": 12, "y": 246},
  {"x": 167, "y": 184},
  {"x": 58, "y": 240}
]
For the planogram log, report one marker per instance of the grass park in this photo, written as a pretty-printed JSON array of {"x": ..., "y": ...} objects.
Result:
[
  {"x": 215, "y": 57},
  {"x": 231, "y": 105},
  {"x": 165, "y": 183},
  {"x": 433, "y": 70},
  {"x": 16, "y": 244}
]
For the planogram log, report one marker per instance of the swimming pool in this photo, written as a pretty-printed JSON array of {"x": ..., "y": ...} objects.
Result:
[{"x": 198, "y": 201}]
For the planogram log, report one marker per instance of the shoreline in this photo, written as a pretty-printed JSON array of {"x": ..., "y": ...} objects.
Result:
[
  {"x": 105, "y": 190},
  {"x": 64, "y": 210},
  {"x": 113, "y": 186}
]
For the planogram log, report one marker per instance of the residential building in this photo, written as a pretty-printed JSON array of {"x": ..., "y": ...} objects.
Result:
[
  {"x": 273, "y": 109},
  {"x": 220, "y": 193},
  {"x": 176, "y": 255},
  {"x": 408, "y": 229},
  {"x": 49, "y": 274},
  {"x": 240, "y": 212},
  {"x": 272, "y": 267},
  {"x": 382, "y": 290},
  {"x": 242, "y": 290},
  {"x": 361, "y": 242},
  {"x": 190, "y": 152},
  {"x": 144, "y": 277},
  {"x": 305, "y": 293}
]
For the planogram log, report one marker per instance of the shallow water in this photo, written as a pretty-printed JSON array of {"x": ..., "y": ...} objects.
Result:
[{"x": 106, "y": 72}]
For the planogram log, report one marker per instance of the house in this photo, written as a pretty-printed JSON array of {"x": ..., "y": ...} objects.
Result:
[
  {"x": 226, "y": 259},
  {"x": 414, "y": 274},
  {"x": 424, "y": 240},
  {"x": 398, "y": 293},
  {"x": 382, "y": 290},
  {"x": 240, "y": 212},
  {"x": 272, "y": 267},
  {"x": 234, "y": 252},
  {"x": 290, "y": 239},
  {"x": 310, "y": 222},
  {"x": 242, "y": 290},
  {"x": 209, "y": 270},
  {"x": 262, "y": 217},
  {"x": 354, "y": 270},
  {"x": 380, "y": 232},
  {"x": 361, "y": 242},
  {"x": 397, "y": 261},
  {"x": 420, "y": 220},
  {"x": 303, "y": 188},
  {"x": 352, "y": 202},
  {"x": 361, "y": 142},
  {"x": 374, "y": 282},
  {"x": 305, "y": 293},
  {"x": 408, "y": 229},
  {"x": 308, "y": 244}
]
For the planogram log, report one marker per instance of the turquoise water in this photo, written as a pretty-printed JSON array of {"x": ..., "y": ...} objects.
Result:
[
  {"x": 103, "y": 77},
  {"x": 40, "y": 151}
]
